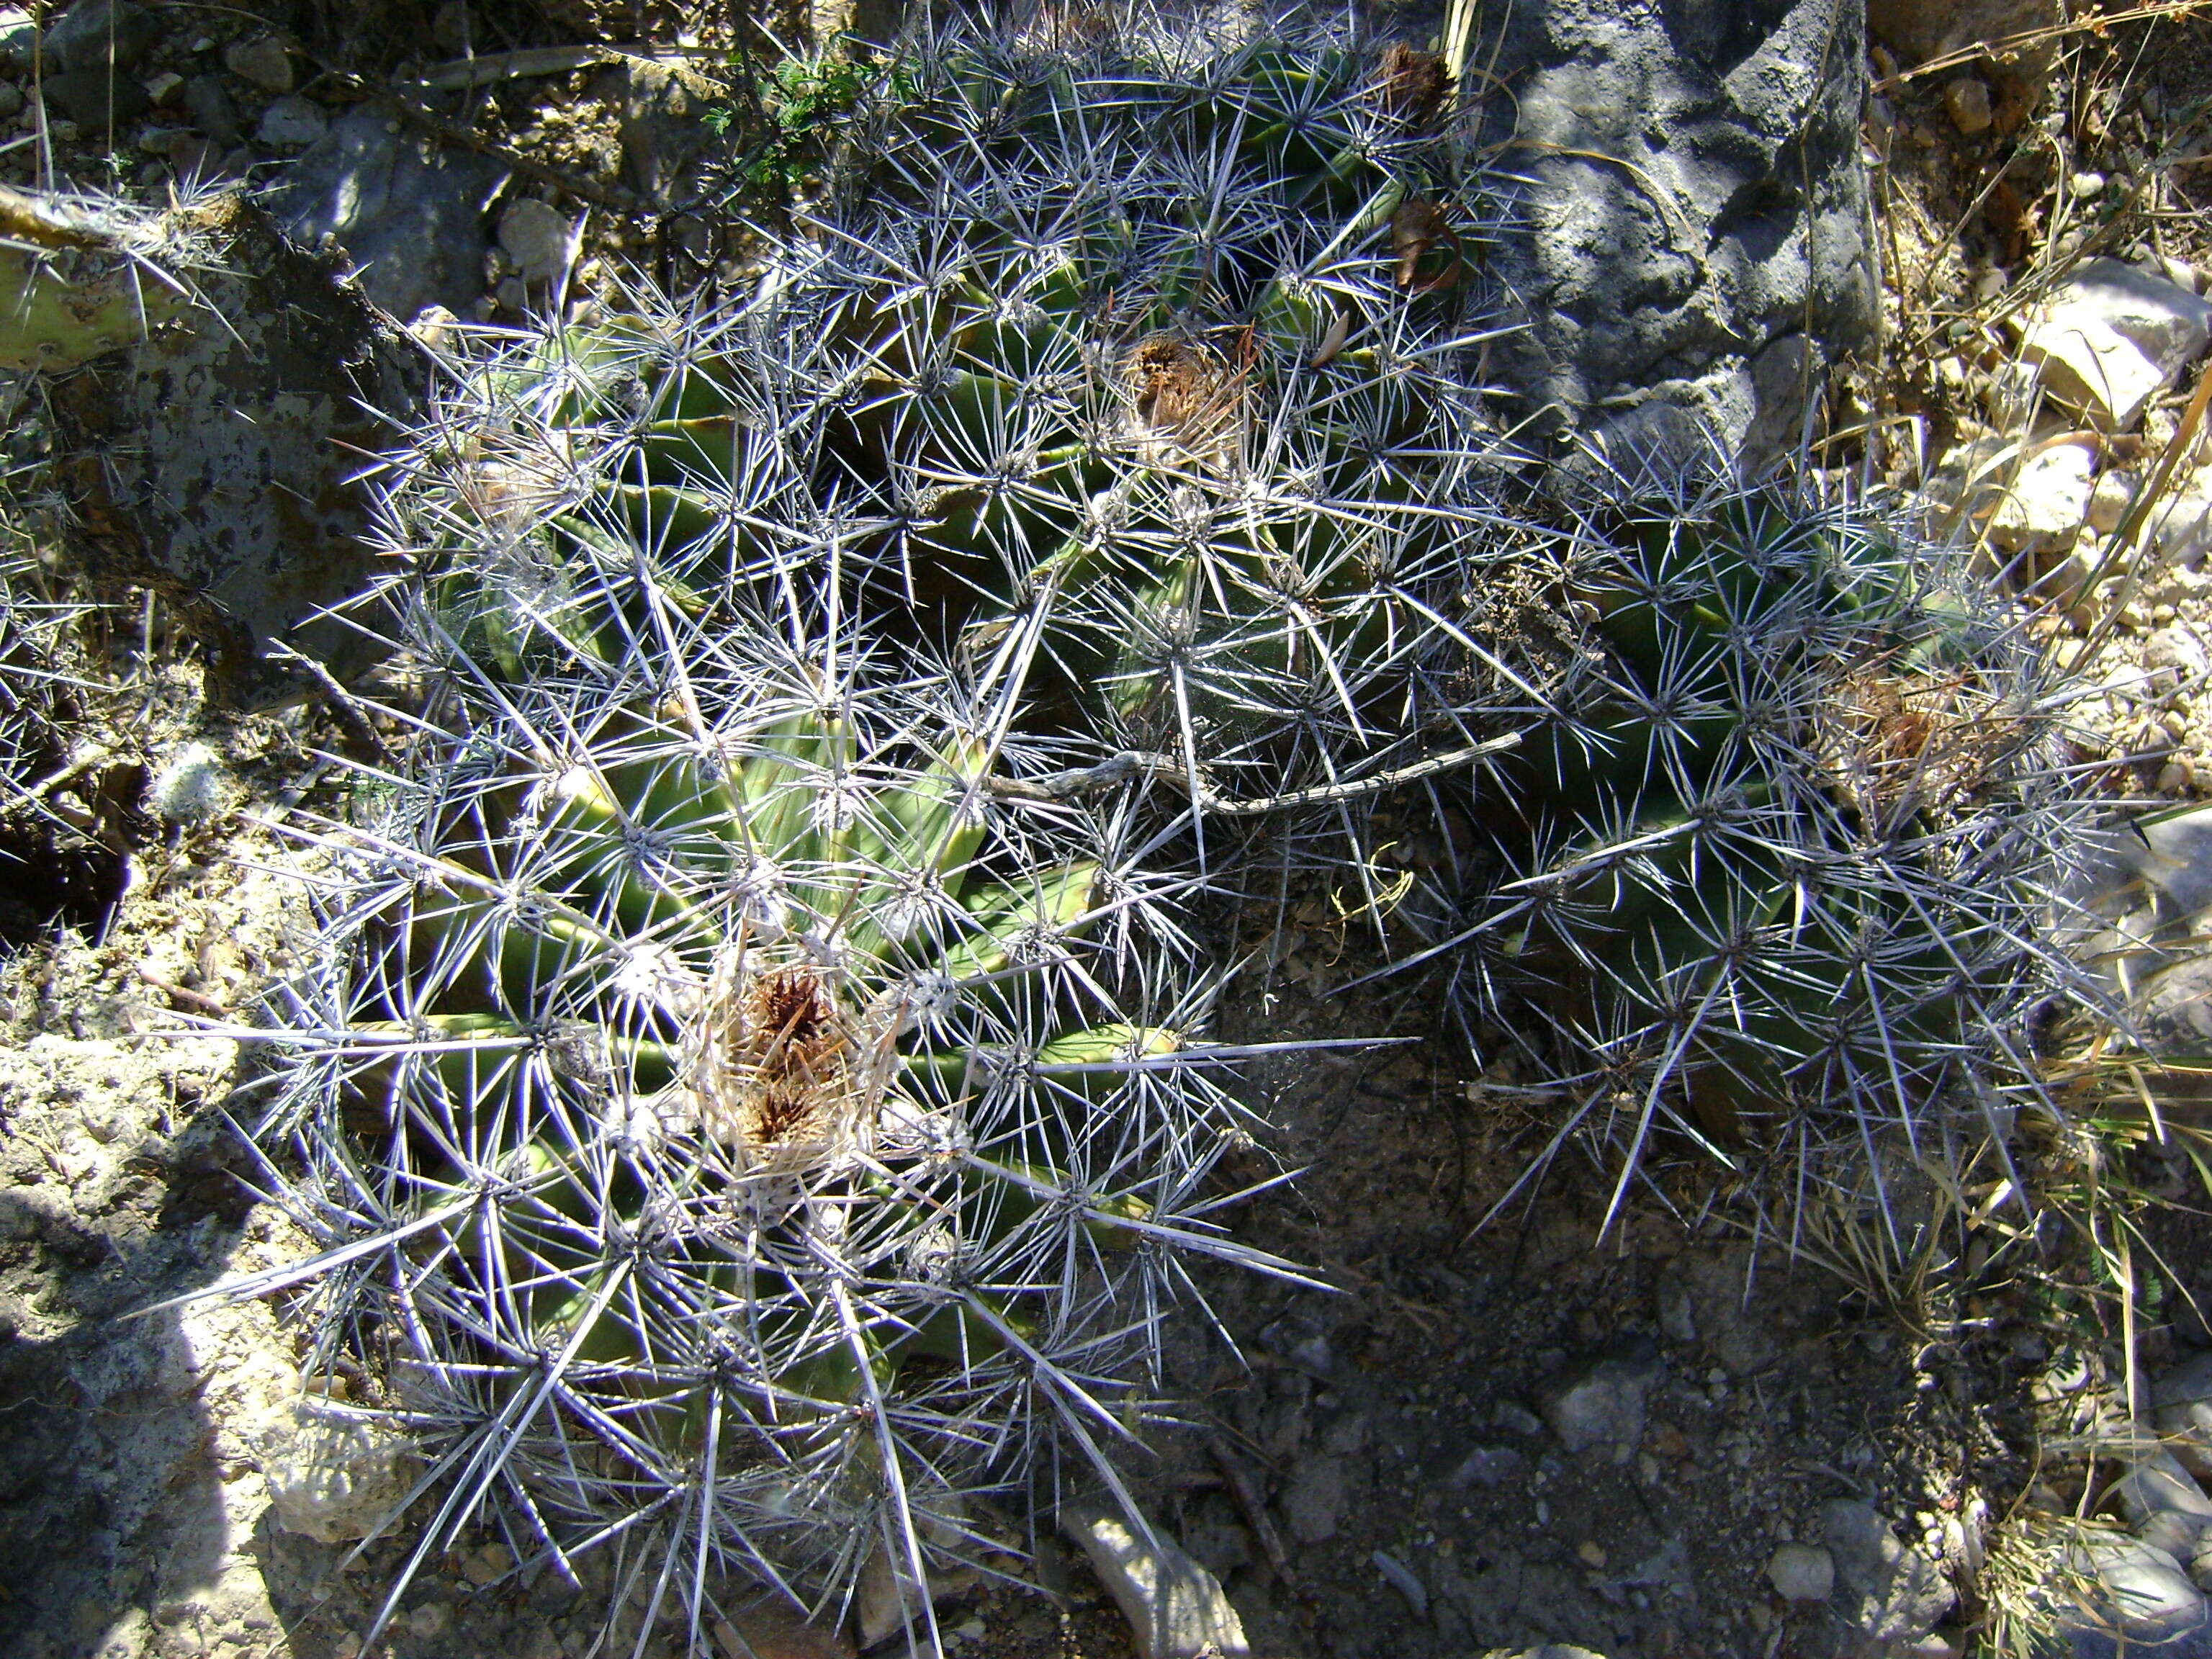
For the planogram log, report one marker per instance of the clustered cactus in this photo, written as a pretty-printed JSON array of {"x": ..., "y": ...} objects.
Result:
[
  {"x": 751, "y": 1087},
  {"x": 1777, "y": 867},
  {"x": 1139, "y": 386}
]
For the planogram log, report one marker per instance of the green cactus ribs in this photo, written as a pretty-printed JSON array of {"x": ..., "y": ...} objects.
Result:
[
  {"x": 1776, "y": 871},
  {"x": 1138, "y": 383},
  {"x": 738, "y": 1133}
]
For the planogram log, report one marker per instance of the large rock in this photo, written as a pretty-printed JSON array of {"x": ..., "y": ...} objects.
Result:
[
  {"x": 2181, "y": 1400},
  {"x": 1892, "y": 1592},
  {"x": 1919, "y": 30},
  {"x": 2046, "y": 500},
  {"x": 408, "y": 213},
  {"x": 1698, "y": 235},
  {"x": 2165, "y": 1505},
  {"x": 2111, "y": 338}
]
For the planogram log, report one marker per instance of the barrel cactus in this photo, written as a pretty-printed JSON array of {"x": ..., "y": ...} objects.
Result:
[
  {"x": 1777, "y": 866},
  {"x": 744, "y": 1128},
  {"x": 1135, "y": 380}
]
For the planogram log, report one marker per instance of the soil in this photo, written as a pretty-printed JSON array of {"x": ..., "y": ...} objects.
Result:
[{"x": 1370, "y": 1472}]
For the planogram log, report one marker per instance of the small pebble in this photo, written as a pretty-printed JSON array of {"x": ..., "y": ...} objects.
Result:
[
  {"x": 1401, "y": 1579},
  {"x": 1967, "y": 102},
  {"x": 11, "y": 100},
  {"x": 1802, "y": 1572},
  {"x": 2088, "y": 186}
]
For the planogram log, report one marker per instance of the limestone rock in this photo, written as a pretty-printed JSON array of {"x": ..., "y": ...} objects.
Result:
[
  {"x": 2174, "y": 856},
  {"x": 264, "y": 61},
  {"x": 1919, "y": 30},
  {"x": 2047, "y": 501},
  {"x": 2112, "y": 337},
  {"x": 1175, "y": 1607},
  {"x": 292, "y": 123},
  {"x": 409, "y": 213},
  {"x": 218, "y": 464},
  {"x": 2165, "y": 1505},
  {"x": 2180, "y": 524},
  {"x": 770, "y": 1632},
  {"x": 1316, "y": 1499},
  {"x": 538, "y": 237},
  {"x": 1967, "y": 102},
  {"x": 107, "y": 36}
]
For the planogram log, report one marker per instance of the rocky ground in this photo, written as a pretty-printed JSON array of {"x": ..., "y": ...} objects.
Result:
[{"x": 1488, "y": 1437}]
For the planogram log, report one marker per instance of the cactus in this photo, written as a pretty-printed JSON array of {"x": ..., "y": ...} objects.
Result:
[
  {"x": 1776, "y": 868},
  {"x": 743, "y": 1128},
  {"x": 1135, "y": 382}
]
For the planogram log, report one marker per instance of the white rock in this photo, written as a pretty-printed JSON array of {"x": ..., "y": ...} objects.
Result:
[
  {"x": 1174, "y": 1607},
  {"x": 1889, "y": 1590},
  {"x": 2111, "y": 336},
  {"x": 2048, "y": 499},
  {"x": 334, "y": 1473},
  {"x": 1967, "y": 100},
  {"x": 1602, "y": 1409},
  {"x": 2147, "y": 1594},
  {"x": 2177, "y": 647},
  {"x": 538, "y": 238},
  {"x": 1802, "y": 1572},
  {"x": 886, "y": 1600},
  {"x": 2180, "y": 525}
]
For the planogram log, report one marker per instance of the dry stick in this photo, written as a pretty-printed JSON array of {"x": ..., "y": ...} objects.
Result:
[
  {"x": 1255, "y": 1512},
  {"x": 2011, "y": 43},
  {"x": 347, "y": 710},
  {"x": 1131, "y": 764}
]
